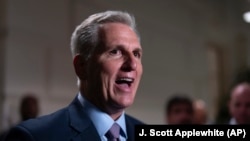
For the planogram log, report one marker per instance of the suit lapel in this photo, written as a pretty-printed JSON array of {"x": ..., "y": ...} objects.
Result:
[
  {"x": 89, "y": 134},
  {"x": 130, "y": 129},
  {"x": 80, "y": 122}
]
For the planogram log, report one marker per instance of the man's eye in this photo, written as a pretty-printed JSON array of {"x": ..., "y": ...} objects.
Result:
[
  {"x": 115, "y": 52},
  {"x": 137, "y": 54}
]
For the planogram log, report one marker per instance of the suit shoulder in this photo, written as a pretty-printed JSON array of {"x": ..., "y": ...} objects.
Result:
[
  {"x": 45, "y": 126},
  {"x": 47, "y": 120},
  {"x": 133, "y": 119},
  {"x": 18, "y": 133}
]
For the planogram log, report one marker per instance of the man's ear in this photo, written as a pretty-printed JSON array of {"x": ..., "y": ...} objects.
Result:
[{"x": 80, "y": 67}]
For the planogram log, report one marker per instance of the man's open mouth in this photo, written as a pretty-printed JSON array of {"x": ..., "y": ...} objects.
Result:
[{"x": 125, "y": 80}]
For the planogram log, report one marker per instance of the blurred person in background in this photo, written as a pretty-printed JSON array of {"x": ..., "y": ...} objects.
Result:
[
  {"x": 179, "y": 109},
  {"x": 28, "y": 109},
  {"x": 239, "y": 104},
  {"x": 239, "y": 98},
  {"x": 200, "y": 112}
]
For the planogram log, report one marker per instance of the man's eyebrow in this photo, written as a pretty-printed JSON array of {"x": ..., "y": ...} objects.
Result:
[{"x": 138, "y": 49}]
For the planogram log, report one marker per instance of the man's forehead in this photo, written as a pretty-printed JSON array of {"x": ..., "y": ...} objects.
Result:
[{"x": 241, "y": 90}]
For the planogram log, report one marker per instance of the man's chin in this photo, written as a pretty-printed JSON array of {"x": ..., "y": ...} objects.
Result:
[{"x": 123, "y": 105}]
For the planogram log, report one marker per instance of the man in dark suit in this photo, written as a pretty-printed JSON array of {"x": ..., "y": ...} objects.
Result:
[{"x": 107, "y": 55}]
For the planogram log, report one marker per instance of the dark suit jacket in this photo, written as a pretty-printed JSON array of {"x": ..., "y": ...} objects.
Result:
[{"x": 68, "y": 124}]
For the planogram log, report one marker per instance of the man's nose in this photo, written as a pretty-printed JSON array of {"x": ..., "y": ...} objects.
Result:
[{"x": 130, "y": 63}]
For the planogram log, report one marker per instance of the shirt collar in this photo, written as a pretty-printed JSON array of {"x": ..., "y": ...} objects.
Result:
[
  {"x": 100, "y": 119},
  {"x": 232, "y": 121}
]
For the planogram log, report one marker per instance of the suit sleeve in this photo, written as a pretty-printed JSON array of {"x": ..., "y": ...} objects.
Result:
[{"x": 19, "y": 133}]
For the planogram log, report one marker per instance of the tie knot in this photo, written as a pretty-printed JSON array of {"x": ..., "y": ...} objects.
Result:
[{"x": 114, "y": 132}]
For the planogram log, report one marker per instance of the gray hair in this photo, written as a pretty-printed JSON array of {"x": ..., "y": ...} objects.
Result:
[{"x": 85, "y": 38}]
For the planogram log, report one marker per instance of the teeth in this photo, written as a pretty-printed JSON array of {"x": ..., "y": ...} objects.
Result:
[{"x": 126, "y": 79}]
